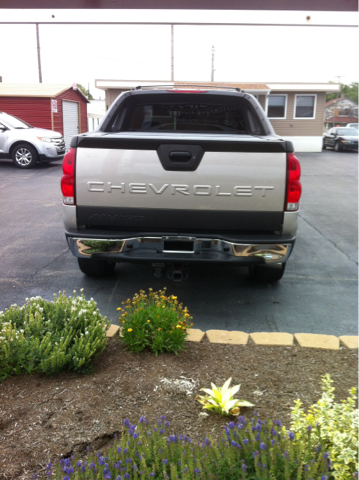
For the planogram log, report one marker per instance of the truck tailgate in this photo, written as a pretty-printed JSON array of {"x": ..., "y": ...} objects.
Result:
[{"x": 237, "y": 185}]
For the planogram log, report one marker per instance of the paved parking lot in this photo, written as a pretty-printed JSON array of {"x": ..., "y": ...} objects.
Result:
[{"x": 318, "y": 293}]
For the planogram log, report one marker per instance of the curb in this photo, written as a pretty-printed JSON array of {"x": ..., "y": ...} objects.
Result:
[{"x": 279, "y": 339}]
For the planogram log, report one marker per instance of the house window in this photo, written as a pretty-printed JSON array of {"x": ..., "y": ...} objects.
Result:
[
  {"x": 305, "y": 106},
  {"x": 277, "y": 106}
]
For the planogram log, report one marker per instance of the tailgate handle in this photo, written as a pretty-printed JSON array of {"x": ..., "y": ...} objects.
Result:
[{"x": 180, "y": 156}]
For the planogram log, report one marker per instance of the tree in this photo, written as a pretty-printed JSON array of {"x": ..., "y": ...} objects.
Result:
[
  {"x": 84, "y": 91},
  {"x": 349, "y": 91}
]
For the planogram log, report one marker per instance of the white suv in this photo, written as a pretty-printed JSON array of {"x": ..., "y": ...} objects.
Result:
[{"x": 27, "y": 145}]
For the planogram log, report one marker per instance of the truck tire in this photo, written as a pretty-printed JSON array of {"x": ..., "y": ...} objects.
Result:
[
  {"x": 95, "y": 267},
  {"x": 266, "y": 274},
  {"x": 24, "y": 155}
]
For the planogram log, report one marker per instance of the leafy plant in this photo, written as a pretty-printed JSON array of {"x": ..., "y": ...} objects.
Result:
[
  {"x": 44, "y": 336},
  {"x": 335, "y": 425},
  {"x": 220, "y": 399},
  {"x": 260, "y": 450},
  {"x": 156, "y": 321}
]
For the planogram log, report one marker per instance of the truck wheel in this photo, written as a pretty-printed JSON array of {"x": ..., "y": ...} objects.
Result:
[
  {"x": 24, "y": 156},
  {"x": 266, "y": 274},
  {"x": 94, "y": 267},
  {"x": 337, "y": 147}
]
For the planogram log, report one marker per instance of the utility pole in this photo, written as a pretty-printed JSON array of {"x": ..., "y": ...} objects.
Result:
[
  {"x": 339, "y": 77},
  {"x": 38, "y": 52},
  {"x": 212, "y": 72},
  {"x": 172, "y": 56}
]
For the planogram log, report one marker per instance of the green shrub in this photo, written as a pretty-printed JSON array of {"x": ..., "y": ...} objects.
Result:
[
  {"x": 259, "y": 450},
  {"x": 44, "y": 336},
  {"x": 335, "y": 425},
  {"x": 156, "y": 321}
]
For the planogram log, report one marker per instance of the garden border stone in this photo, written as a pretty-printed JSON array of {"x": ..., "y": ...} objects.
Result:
[{"x": 279, "y": 339}]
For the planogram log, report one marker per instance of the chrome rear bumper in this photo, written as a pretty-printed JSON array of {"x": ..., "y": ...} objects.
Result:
[{"x": 180, "y": 249}]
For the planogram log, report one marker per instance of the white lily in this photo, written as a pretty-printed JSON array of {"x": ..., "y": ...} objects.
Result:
[{"x": 220, "y": 399}]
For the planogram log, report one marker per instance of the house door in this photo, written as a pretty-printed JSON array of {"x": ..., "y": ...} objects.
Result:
[{"x": 70, "y": 115}]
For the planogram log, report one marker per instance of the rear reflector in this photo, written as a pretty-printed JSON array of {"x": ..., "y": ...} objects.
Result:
[
  {"x": 294, "y": 187},
  {"x": 68, "y": 177}
]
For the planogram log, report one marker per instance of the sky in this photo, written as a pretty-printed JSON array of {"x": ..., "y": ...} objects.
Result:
[{"x": 246, "y": 53}]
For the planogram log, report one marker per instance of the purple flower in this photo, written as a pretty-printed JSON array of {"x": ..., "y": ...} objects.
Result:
[
  {"x": 277, "y": 422},
  {"x": 244, "y": 467},
  {"x": 128, "y": 460},
  {"x": 167, "y": 424},
  {"x": 326, "y": 456},
  {"x": 165, "y": 461},
  {"x": 162, "y": 431},
  {"x": 207, "y": 442},
  {"x": 163, "y": 418},
  {"x": 231, "y": 425},
  {"x": 126, "y": 422},
  {"x": 108, "y": 476},
  {"x": 324, "y": 477},
  {"x": 246, "y": 441},
  {"x": 126, "y": 476},
  {"x": 263, "y": 446},
  {"x": 291, "y": 436},
  {"x": 309, "y": 428},
  {"x": 142, "y": 420},
  {"x": 273, "y": 442},
  {"x": 197, "y": 471}
]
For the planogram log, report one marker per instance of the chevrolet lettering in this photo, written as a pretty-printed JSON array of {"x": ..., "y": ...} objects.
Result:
[
  {"x": 204, "y": 190},
  {"x": 182, "y": 176}
]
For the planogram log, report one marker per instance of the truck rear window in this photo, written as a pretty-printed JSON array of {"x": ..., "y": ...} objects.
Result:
[
  {"x": 230, "y": 117},
  {"x": 188, "y": 117}
]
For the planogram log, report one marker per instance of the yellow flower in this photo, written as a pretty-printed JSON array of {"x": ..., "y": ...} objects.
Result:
[
  {"x": 178, "y": 326},
  {"x": 159, "y": 329},
  {"x": 186, "y": 315},
  {"x": 174, "y": 298},
  {"x": 119, "y": 308},
  {"x": 163, "y": 306},
  {"x": 148, "y": 321},
  {"x": 183, "y": 328},
  {"x": 171, "y": 331},
  {"x": 129, "y": 330}
]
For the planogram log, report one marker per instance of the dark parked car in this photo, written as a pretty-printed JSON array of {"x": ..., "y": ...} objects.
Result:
[{"x": 341, "y": 138}]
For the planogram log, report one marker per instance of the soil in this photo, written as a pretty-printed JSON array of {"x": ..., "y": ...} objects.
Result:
[{"x": 47, "y": 417}]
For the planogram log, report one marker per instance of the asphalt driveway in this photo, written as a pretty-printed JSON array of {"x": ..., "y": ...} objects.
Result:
[{"x": 318, "y": 293}]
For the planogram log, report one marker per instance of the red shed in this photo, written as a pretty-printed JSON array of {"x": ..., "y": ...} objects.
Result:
[{"x": 58, "y": 107}]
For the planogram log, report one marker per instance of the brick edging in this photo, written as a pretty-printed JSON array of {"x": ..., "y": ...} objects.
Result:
[{"x": 305, "y": 340}]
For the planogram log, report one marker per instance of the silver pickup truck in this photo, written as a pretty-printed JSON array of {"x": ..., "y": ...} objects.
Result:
[{"x": 180, "y": 176}]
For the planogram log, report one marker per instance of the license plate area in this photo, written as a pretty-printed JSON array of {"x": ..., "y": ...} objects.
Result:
[{"x": 178, "y": 246}]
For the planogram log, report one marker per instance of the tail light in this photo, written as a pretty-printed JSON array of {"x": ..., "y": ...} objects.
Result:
[
  {"x": 68, "y": 177},
  {"x": 294, "y": 187}
]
